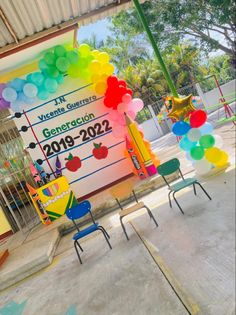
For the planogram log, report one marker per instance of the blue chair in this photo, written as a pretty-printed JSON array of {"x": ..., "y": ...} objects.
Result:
[
  {"x": 171, "y": 167},
  {"x": 78, "y": 212}
]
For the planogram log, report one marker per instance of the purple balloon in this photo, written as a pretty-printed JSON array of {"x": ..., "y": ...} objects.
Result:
[{"x": 3, "y": 104}]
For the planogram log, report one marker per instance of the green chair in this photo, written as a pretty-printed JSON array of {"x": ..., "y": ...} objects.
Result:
[{"x": 171, "y": 167}]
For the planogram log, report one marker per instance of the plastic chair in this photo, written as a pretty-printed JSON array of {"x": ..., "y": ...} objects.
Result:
[
  {"x": 78, "y": 212},
  {"x": 171, "y": 167},
  {"x": 126, "y": 211}
]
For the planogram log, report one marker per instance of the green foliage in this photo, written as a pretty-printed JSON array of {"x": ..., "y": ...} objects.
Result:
[{"x": 171, "y": 21}]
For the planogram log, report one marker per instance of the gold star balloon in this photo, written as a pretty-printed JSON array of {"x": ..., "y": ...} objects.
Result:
[{"x": 181, "y": 107}]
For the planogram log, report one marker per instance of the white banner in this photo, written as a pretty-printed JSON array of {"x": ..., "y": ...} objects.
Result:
[{"x": 74, "y": 125}]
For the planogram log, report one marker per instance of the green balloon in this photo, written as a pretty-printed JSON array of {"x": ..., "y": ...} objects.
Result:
[
  {"x": 59, "y": 51},
  {"x": 62, "y": 64},
  {"x": 197, "y": 153},
  {"x": 52, "y": 72},
  {"x": 72, "y": 56},
  {"x": 49, "y": 58},
  {"x": 50, "y": 85},
  {"x": 207, "y": 141}
]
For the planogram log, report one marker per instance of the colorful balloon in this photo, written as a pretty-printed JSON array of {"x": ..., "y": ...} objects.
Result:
[
  {"x": 207, "y": 141},
  {"x": 180, "y": 128},
  {"x": 62, "y": 64},
  {"x": 49, "y": 58},
  {"x": 17, "y": 84},
  {"x": 50, "y": 85},
  {"x": 84, "y": 49},
  {"x": 206, "y": 129},
  {"x": 197, "y": 153},
  {"x": 194, "y": 134},
  {"x": 223, "y": 160},
  {"x": 59, "y": 51},
  {"x": 30, "y": 90},
  {"x": 202, "y": 166},
  {"x": 9, "y": 94},
  {"x": 213, "y": 155},
  {"x": 186, "y": 145},
  {"x": 218, "y": 141},
  {"x": 3, "y": 103},
  {"x": 198, "y": 118}
]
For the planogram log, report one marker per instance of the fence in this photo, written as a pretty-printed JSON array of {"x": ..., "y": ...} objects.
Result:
[
  {"x": 206, "y": 95},
  {"x": 14, "y": 173}
]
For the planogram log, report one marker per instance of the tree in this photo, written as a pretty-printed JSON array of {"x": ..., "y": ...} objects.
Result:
[
  {"x": 171, "y": 21},
  {"x": 146, "y": 78}
]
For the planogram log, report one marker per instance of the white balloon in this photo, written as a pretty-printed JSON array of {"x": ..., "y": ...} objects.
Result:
[
  {"x": 218, "y": 141},
  {"x": 194, "y": 134},
  {"x": 202, "y": 166}
]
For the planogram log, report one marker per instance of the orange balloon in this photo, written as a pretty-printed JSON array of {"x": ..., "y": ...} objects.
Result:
[{"x": 100, "y": 87}]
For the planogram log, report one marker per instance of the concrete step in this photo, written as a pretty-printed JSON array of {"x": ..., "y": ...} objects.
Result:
[{"x": 29, "y": 258}]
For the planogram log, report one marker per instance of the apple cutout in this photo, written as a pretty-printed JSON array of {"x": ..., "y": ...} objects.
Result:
[
  {"x": 73, "y": 163},
  {"x": 100, "y": 152}
]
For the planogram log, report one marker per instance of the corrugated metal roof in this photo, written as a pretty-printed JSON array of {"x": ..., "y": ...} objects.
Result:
[{"x": 21, "y": 19}]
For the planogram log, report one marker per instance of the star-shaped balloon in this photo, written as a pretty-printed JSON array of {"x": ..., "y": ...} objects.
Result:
[{"x": 181, "y": 107}]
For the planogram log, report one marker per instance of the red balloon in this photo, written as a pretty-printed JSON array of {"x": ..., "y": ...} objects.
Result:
[
  {"x": 107, "y": 102},
  {"x": 198, "y": 118},
  {"x": 112, "y": 81},
  {"x": 122, "y": 83},
  {"x": 129, "y": 91}
]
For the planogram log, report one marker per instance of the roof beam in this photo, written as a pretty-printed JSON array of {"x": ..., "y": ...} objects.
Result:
[{"x": 56, "y": 30}]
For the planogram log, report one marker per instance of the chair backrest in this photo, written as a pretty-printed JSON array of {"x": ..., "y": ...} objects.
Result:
[
  {"x": 78, "y": 211},
  {"x": 169, "y": 167}
]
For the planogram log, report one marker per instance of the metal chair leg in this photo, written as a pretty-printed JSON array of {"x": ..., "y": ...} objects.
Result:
[
  {"x": 105, "y": 231},
  {"x": 75, "y": 245},
  {"x": 123, "y": 227},
  {"x": 169, "y": 198},
  {"x": 194, "y": 189},
  {"x": 79, "y": 245},
  {"x": 177, "y": 202},
  {"x": 151, "y": 215},
  {"x": 105, "y": 236},
  {"x": 204, "y": 190}
]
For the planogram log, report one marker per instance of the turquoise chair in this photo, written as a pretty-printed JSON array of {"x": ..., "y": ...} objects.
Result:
[
  {"x": 171, "y": 167},
  {"x": 78, "y": 212}
]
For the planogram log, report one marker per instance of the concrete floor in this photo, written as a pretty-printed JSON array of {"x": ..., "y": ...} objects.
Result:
[{"x": 185, "y": 266}]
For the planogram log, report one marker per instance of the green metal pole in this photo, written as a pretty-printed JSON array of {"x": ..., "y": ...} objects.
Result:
[{"x": 156, "y": 50}]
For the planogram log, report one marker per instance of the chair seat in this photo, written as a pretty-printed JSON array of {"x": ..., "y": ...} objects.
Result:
[
  {"x": 131, "y": 209},
  {"x": 86, "y": 231},
  {"x": 183, "y": 183}
]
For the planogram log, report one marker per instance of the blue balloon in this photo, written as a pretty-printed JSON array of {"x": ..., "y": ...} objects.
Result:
[
  {"x": 37, "y": 78},
  {"x": 186, "y": 145},
  {"x": 17, "y": 84},
  {"x": 180, "y": 128},
  {"x": 16, "y": 106},
  {"x": 50, "y": 85},
  {"x": 30, "y": 90},
  {"x": 43, "y": 94},
  {"x": 9, "y": 94},
  {"x": 60, "y": 79},
  {"x": 206, "y": 129},
  {"x": 23, "y": 98}
]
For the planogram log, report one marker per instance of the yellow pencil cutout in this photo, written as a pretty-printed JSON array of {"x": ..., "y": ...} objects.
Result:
[{"x": 135, "y": 135}]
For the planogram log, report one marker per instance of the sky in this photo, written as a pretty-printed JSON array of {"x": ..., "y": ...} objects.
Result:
[{"x": 100, "y": 29}]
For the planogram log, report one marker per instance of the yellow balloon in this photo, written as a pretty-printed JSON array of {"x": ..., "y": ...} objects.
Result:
[
  {"x": 103, "y": 57},
  {"x": 108, "y": 68},
  {"x": 95, "y": 66},
  {"x": 223, "y": 160},
  {"x": 95, "y": 53},
  {"x": 213, "y": 155},
  {"x": 95, "y": 78},
  {"x": 100, "y": 88},
  {"x": 103, "y": 77}
]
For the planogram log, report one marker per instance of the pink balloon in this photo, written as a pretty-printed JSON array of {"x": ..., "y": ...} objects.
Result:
[
  {"x": 119, "y": 131},
  {"x": 126, "y": 98},
  {"x": 122, "y": 107},
  {"x": 136, "y": 105},
  {"x": 121, "y": 120},
  {"x": 131, "y": 114},
  {"x": 114, "y": 115}
]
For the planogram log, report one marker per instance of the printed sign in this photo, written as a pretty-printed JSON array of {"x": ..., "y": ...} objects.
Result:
[{"x": 74, "y": 126}]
